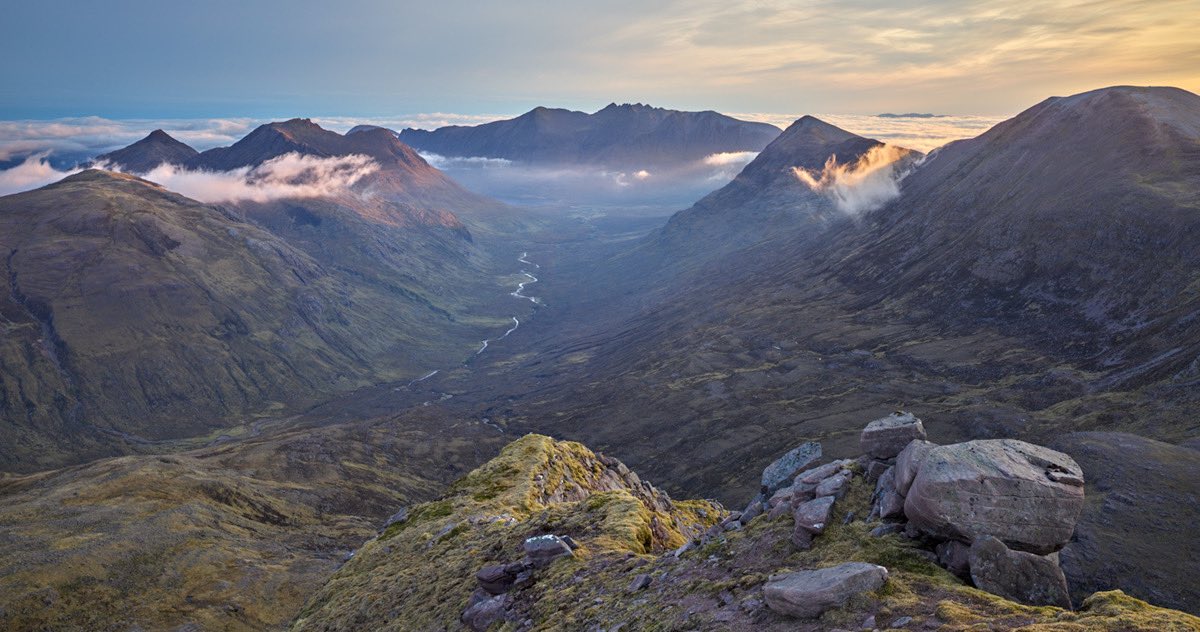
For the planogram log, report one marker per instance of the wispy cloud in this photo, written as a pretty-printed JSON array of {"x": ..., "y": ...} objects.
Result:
[
  {"x": 287, "y": 176},
  {"x": 863, "y": 185}
]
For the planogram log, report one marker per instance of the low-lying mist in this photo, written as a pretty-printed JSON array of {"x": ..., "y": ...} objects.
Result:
[
  {"x": 649, "y": 190},
  {"x": 291, "y": 175}
]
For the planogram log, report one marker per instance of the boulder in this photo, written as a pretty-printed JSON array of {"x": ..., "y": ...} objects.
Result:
[
  {"x": 808, "y": 594},
  {"x": 888, "y": 502},
  {"x": 777, "y": 474},
  {"x": 875, "y": 469},
  {"x": 811, "y": 518},
  {"x": 752, "y": 511},
  {"x": 885, "y": 438},
  {"x": 544, "y": 549},
  {"x": 481, "y": 614},
  {"x": 1031, "y": 579},
  {"x": 782, "y": 509},
  {"x": 496, "y": 580},
  {"x": 909, "y": 461},
  {"x": 641, "y": 582},
  {"x": 1028, "y": 496}
]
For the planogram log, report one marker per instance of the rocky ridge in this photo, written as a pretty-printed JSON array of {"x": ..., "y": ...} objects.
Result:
[{"x": 550, "y": 536}]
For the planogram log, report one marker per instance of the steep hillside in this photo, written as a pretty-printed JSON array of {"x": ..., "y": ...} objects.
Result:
[
  {"x": 135, "y": 315},
  {"x": 767, "y": 200},
  {"x": 618, "y": 136}
]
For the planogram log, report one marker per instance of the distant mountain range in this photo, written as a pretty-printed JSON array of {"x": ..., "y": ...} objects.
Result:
[{"x": 618, "y": 136}]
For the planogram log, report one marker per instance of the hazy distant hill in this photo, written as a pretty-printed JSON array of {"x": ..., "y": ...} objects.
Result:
[{"x": 624, "y": 136}]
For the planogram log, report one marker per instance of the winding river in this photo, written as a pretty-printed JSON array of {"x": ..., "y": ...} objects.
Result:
[{"x": 519, "y": 293}]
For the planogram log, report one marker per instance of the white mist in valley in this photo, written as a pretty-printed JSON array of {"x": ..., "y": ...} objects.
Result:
[{"x": 864, "y": 185}]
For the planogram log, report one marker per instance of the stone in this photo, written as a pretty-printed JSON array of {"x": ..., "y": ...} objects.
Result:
[
  {"x": 822, "y": 472},
  {"x": 1031, "y": 579},
  {"x": 777, "y": 474},
  {"x": 869, "y": 624},
  {"x": 887, "y": 528},
  {"x": 781, "y": 495},
  {"x": 834, "y": 485},
  {"x": 909, "y": 461},
  {"x": 544, "y": 549},
  {"x": 808, "y": 594},
  {"x": 901, "y": 622},
  {"x": 884, "y": 438},
  {"x": 782, "y": 509},
  {"x": 875, "y": 469},
  {"x": 802, "y": 538},
  {"x": 570, "y": 542},
  {"x": 397, "y": 518},
  {"x": 954, "y": 557},
  {"x": 888, "y": 502},
  {"x": 641, "y": 582},
  {"x": 481, "y": 615},
  {"x": 496, "y": 580},
  {"x": 753, "y": 510},
  {"x": 998, "y": 487},
  {"x": 813, "y": 515}
]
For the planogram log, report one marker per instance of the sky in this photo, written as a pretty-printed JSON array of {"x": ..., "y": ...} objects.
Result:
[{"x": 125, "y": 59}]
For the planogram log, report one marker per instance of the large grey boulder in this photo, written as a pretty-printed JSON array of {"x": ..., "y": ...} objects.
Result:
[
  {"x": 780, "y": 473},
  {"x": 909, "y": 461},
  {"x": 481, "y": 613},
  {"x": 1026, "y": 495},
  {"x": 884, "y": 438},
  {"x": 1031, "y": 579},
  {"x": 807, "y": 594}
]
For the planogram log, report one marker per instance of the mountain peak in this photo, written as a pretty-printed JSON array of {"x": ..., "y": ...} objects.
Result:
[{"x": 157, "y": 148}]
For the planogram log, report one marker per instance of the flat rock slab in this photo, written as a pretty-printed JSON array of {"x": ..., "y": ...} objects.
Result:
[
  {"x": 1026, "y": 495},
  {"x": 884, "y": 438},
  {"x": 780, "y": 473},
  {"x": 1031, "y": 579},
  {"x": 807, "y": 594}
]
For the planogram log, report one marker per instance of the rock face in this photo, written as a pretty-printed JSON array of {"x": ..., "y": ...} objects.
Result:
[
  {"x": 889, "y": 501},
  {"x": 885, "y": 438},
  {"x": 1031, "y": 579},
  {"x": 807, "y": 594},
  {"x": 1028, "y": 496},
  {"x": 779, "y": 473}
]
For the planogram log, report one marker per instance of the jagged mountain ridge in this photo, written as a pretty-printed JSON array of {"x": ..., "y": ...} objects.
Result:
[{"x": 619, "y": 136}]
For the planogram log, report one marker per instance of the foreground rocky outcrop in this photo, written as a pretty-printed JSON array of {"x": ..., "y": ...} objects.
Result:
[{"x": 550, "y": 536}]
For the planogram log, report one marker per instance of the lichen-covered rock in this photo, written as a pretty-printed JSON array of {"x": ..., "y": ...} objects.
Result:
[
  {"x": 909, "y": 461},
  {"x": 1028, "y": 496},
  {"x": 884, "y": 438},
  {"x": 808, "y": 594},
  {"x": 1032, "y": 579},
  {"x": 779, "y": 473}
]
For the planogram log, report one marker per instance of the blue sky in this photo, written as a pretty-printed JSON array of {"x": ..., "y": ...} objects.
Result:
[{"x": 216, "y": 58}]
